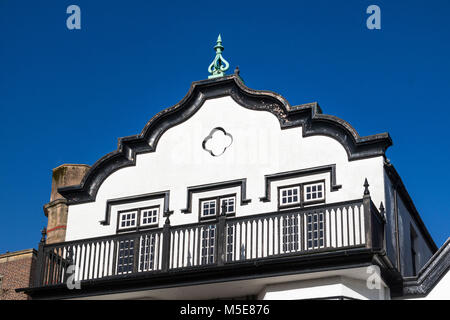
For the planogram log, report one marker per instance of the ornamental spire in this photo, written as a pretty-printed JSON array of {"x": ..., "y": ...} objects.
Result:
[{"x": 219, "y": 65}]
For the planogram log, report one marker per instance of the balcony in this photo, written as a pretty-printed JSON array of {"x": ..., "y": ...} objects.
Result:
[{"x": 227, "y": 243}]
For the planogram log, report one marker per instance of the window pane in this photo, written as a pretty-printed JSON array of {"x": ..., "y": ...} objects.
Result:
[
  {"x": 314, "y": 191},
  {"x": 290, "y": 233},
  {"x": 208, "y": 208},
  {"x": 208, "y": 244},
  {"x": 229, "y": 204},
  {"x": 127, "y": 220},
  {"x": 315, "y": 230},
  {"x": 149, "y": 216},
  {"x": 290, "y": 195}
]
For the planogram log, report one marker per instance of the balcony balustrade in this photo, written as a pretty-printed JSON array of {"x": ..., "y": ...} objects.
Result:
[{"x": 210, "y": 244}]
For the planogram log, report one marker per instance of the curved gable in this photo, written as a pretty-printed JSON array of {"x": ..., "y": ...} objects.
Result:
[{"x": 308, "y": 116}]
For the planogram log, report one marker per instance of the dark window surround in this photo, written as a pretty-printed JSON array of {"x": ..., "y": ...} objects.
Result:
[
  {"x": 139, "y": 198},
  {"x": 300, "y": 173},
  {"x": 302, "y": 202},
  {"x": 242, "y": 183},
  {"x": 119, "y": 213},
  {"x": 290, "y": 205},
  {"x": 218, "y": 208},
  {"x": 306, "y": 201},
  {"x": 138, "y": 226}
]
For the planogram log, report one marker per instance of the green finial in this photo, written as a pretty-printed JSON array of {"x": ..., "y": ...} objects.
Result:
[{"x": 218, "y": 67}]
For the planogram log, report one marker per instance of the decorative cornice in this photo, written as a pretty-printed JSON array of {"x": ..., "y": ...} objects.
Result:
[
  {"x": 427, "y": 278},
  {"x": 268, "y": 179},
  {"x": 309, "y": 116},
  {"x": 54, "y": 203},
  {"x": 165, "y": 195},
  {"x": 242, "y": 183}
]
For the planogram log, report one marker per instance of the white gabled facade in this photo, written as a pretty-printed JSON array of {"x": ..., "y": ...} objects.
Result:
[
  {"x": 260, "y": 147},
  {"x": 249, "y": 150}
]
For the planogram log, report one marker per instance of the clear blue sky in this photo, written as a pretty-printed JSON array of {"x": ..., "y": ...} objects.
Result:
[{"x": 66, "y": 96}]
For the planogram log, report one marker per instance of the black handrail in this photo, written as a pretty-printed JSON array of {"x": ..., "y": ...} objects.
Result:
[{"x": 224, "y": 240}]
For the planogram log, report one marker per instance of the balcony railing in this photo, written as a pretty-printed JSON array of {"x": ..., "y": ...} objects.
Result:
[{"x": 226, "y": 240}]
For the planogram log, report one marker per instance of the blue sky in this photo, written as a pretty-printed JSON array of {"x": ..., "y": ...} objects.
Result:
[{"x": 67, "y": 95}]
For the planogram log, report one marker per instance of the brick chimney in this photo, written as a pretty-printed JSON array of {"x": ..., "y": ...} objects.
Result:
[{"x": 56, "y": 209}]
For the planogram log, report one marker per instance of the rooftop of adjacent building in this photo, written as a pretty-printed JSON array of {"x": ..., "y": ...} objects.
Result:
[{"x": 17, "y": 255}]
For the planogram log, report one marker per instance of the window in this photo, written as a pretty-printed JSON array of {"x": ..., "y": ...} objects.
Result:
[
  {"x": 301, "y": 194},
  {"x": 290, "y": 195},
  {"x": 315, "y": 230},
  {"x": 149, "y": 216},
  {"x": 210, "y": 208},
  {"x": 127, "y": 219},
  {"x": 135, "y": 219},
  {"x": 290, "y": 234},
  {"x": 147, "y": 254},
  {"x": 208, "y": 244},
  {"x": 229, "y": 204},
  {"x": 125, "y": 257},
  {"x": 314, "y": 192}
]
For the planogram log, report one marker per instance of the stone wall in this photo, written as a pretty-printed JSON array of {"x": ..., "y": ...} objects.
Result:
[{"x": 56, "y": 209}]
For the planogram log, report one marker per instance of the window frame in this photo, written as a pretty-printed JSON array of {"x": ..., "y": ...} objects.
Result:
[
  {"x": 290, "y": 234},
  {"x": 232, "y": 213},
  {"x": 148, "y": 225},
  {"x": 315, "y": 228},
  {"x": 125, "y": 256},
  {"x": 302, "y": 195},
  {"x": 122, "y": 212},
  {"x": 290, "y": 205},
  {"x": 201, "y": 201},
  {"x": 138, "y": 225},
  {"x": 313, "y": 201},
  {"x": 208, "y": 244},
  {"x": 218, "y": 200}
]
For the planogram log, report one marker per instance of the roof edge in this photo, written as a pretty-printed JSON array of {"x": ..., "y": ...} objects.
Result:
[{"x": 309, "y": 116}]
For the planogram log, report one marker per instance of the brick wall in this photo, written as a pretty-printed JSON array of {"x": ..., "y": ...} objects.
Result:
[{"x": 16, "y": 271}]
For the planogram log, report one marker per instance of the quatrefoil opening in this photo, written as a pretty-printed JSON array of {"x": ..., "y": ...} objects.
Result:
[{"x": 217, "y": 142}]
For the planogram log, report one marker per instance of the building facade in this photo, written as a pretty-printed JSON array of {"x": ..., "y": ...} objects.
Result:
[
  {"x": 235, "y": 193},
  {"x": 16, "y": 271}
]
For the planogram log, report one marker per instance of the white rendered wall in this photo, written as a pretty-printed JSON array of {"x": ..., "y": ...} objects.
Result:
[
  {"x": 325, "y": 288},
  {"x": 259, "y": 148}
]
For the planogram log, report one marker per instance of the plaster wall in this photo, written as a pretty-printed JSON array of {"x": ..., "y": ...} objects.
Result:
[{"x": 259, "y": 148}]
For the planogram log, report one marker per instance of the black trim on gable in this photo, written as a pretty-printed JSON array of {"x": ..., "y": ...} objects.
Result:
[
  {"x": 308, "y": 116},
  {"x": 398, "y": 185},
  {"x": 242, "y": 183},
  {"x": 300, "y": 173},
  {"x": 431, "y": 273},
  {"x": 139, "y": 198}
]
